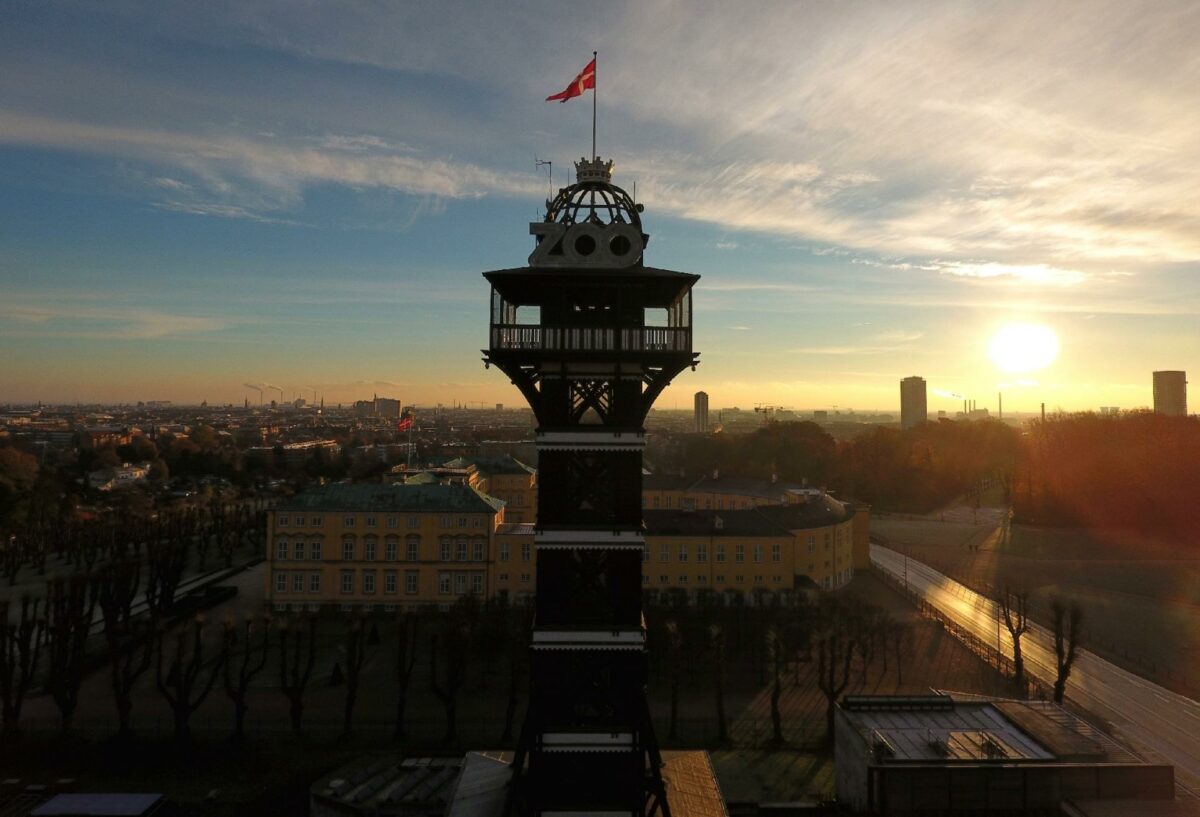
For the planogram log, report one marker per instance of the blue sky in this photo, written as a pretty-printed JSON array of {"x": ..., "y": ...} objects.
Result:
[{"x": 197, "y": 196}]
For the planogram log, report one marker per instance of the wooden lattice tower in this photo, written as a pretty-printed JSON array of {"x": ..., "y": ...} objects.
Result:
[{"x": 591, "y": 336}]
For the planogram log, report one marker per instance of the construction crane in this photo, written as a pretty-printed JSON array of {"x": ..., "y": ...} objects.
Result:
[{"x": 768, "y": 412}]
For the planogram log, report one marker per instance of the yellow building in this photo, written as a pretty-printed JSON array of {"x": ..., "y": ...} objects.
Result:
[
  {"x": 426, "y": 542},
  {"x": 350, "y": 546},
  {"x": 714, "y": 492}
]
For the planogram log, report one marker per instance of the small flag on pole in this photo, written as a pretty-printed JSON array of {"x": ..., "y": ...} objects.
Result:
[
  {"x": 581, "y": 83},
  {"x": 406, "y": 422}
]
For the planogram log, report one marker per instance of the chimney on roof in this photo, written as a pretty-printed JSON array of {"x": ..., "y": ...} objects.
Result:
[
  {"x": 718, "y": 523},
  {"x": 774, "y": 477},
  {"x": 716, "y": 474}
]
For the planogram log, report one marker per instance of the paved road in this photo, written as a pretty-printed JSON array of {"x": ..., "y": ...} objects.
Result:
[{"x": 1147, "y": 713}]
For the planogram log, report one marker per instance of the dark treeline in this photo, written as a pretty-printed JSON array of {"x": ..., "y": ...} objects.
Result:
[
  {"x": 1136, "y": 472},
  {"x": 914, "y": 470}
]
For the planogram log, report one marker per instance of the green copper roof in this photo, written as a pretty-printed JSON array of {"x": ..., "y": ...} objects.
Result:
[{"x": 399, "y": 498}]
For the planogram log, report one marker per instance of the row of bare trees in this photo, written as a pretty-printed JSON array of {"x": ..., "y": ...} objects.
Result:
[
  {"x": 1066, "y": 626},
  {"x": 846, "y": 638}
]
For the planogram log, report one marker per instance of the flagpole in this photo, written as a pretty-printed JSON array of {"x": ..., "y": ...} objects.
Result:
[{"x": 595, "y": 90}]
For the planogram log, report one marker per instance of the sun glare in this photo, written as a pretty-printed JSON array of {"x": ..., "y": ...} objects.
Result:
[{"x": 1019, "y": 348}]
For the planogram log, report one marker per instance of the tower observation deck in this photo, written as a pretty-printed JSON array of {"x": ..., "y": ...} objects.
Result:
[{"x": 591, "y": 336}]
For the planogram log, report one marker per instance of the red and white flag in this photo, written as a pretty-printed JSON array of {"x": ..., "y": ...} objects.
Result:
[
  {"x": 406, "y": 422},
  {"x": 581, "y": 83}
]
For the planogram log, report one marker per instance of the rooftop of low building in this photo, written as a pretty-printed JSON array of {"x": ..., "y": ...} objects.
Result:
[{"x": 395, "y": 497}]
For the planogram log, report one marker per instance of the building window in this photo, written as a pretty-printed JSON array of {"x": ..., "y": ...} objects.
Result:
[
  {"x": 503, "y": 577},
  {"x": 389, "y": 550},
  {"x": 314, "y": 582},
  {"x": 281, "y": 522},
  {"x": 739, "y": 554},
  {"x": 777, "y": 579},
  {"x": 664, "y": 553},
  {"x": 298, "y": 583},
  {"x": 393, "y": 522},
  {"x": 389, "y": 581},
  {"x": 720, "y": 554},
  {"x": 758, "y": 580},
  {"x": 348, "y": 549},
  {"x": 504, "y": 551},
  {"x": 413, "y": 545},
  {"x": 299, "y": 521},
  {"x": 477, "y": 522},
  {"x": 645, "y": 579},
  {"x": 739, "y": 579},
  {"x": 444, "y": 584},
  {"x": 347, "y": 521},
  {"x": 414, "y": 522},
  {"x": 299, "y": 550},
  {"x": 281, "y": 550},
  {"x": 369, "y": 550},
  {"x": 347, "y": 582},
  {"x": 370, "y": 521},
  {"x": 460, "y": 583},
  {"x": 664, "y": 579},
  {"x": 524, "y": 578},
  {"x": 827, "y": 541},
  {"x": 462, "y": 521},
  {"x": 368, "y": 581},
  {"x": 683, "y": 578},
  {"x": 477, "y": 550},
  {"x": 645, "y": 552},
  {"x": 702, "y": 579},
  {"x": 444, "y": 522},
  {"x": 758, "y": 553},
  {"x": 477, "y": 584},
  {"x": 720, "y": 579},
  {"x": 461, "y": 548},
  {"x": 445, "y": 548},
  {"x": 683, "y": 556},
  {"x": 318, "y": 521},
  {"x": 280, "y": 582},
  {"x": 525, "y": 551},
  {"x": 776, "y": 553},
  {"x": 410, "y": 582},
  {"x": 702, "y": 552},
  {"x": 656, "y": 502},
  {"x": 812, "y": 544}
]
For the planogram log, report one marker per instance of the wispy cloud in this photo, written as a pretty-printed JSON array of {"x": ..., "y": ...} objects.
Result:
[{"x": 113, "y": 323}]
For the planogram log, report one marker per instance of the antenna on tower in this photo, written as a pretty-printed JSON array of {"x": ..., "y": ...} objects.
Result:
[{"x": 549, "y": 165}]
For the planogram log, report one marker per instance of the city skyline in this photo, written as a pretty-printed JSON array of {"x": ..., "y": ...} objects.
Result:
[{"x": 199, "y": 200}]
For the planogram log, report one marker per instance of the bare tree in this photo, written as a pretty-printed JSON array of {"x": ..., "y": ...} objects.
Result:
[
  {"x": 1068, "y": 633},
  {"x": 406, "y": 658},
  {"x": 129, "y": 642},
  {"x": 835, "y": 651},
  {"x": 674, "y": 639},
  {"x": 166, "y": 559},
  {"x": 70, "y": 604},
  {"x": 244, "y": 660},
  {"x": 20, "y": 646},
  {"x": 356, "y": 656},
  {"x": 777, "y": 655},
  {"x": 716, "y": 635},
  {"x": 1014, "y": 609},
  {"x": 181, "y": 685},
  {"x": 517, "y": 648},
  {"x": 297, "y": 654},
  {"x": 454, "y": 639}
]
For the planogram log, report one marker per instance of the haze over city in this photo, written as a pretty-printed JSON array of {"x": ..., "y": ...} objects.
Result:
[{"x": 203, "y": 196}]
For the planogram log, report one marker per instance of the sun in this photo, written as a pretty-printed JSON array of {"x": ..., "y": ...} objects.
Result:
[{"x": 1022, "y": 347}]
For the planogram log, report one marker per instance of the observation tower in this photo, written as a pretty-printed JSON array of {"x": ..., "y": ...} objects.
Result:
[{"x": 591, "y": 336}]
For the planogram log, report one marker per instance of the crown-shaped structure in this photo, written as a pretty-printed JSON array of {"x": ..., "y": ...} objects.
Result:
[{"x": 593, "y": 170}]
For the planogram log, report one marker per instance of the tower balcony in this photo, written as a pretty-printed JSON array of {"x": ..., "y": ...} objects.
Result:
[{"x": 508, "y": 337}]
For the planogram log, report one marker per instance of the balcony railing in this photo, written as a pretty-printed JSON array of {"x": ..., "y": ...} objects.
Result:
[{"x": 510, "y": 337}]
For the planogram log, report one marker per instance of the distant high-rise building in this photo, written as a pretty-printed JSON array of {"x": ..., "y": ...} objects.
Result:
[
  {"x": 1170, "y": 393},
  {"x": 914, "y": 409},
  {"x": 701, "y": 412}
]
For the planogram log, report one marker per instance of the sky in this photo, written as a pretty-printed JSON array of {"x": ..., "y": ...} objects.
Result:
[{"x": 197, "y": 196}]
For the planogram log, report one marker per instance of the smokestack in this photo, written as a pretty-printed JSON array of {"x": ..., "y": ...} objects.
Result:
[
  {"x": 964, "y": 408},
  {"x": 1000, "y": 398},
  {"x": 1043, "y": 412}
]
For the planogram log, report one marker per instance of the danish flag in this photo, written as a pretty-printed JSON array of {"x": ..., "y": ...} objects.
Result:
[
  {"x": 585, "y": 80},
  {"x": 406, "y": 422}
]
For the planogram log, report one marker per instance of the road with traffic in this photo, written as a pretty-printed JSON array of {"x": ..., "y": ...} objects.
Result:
[{"x": 1146, "y": 713}]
